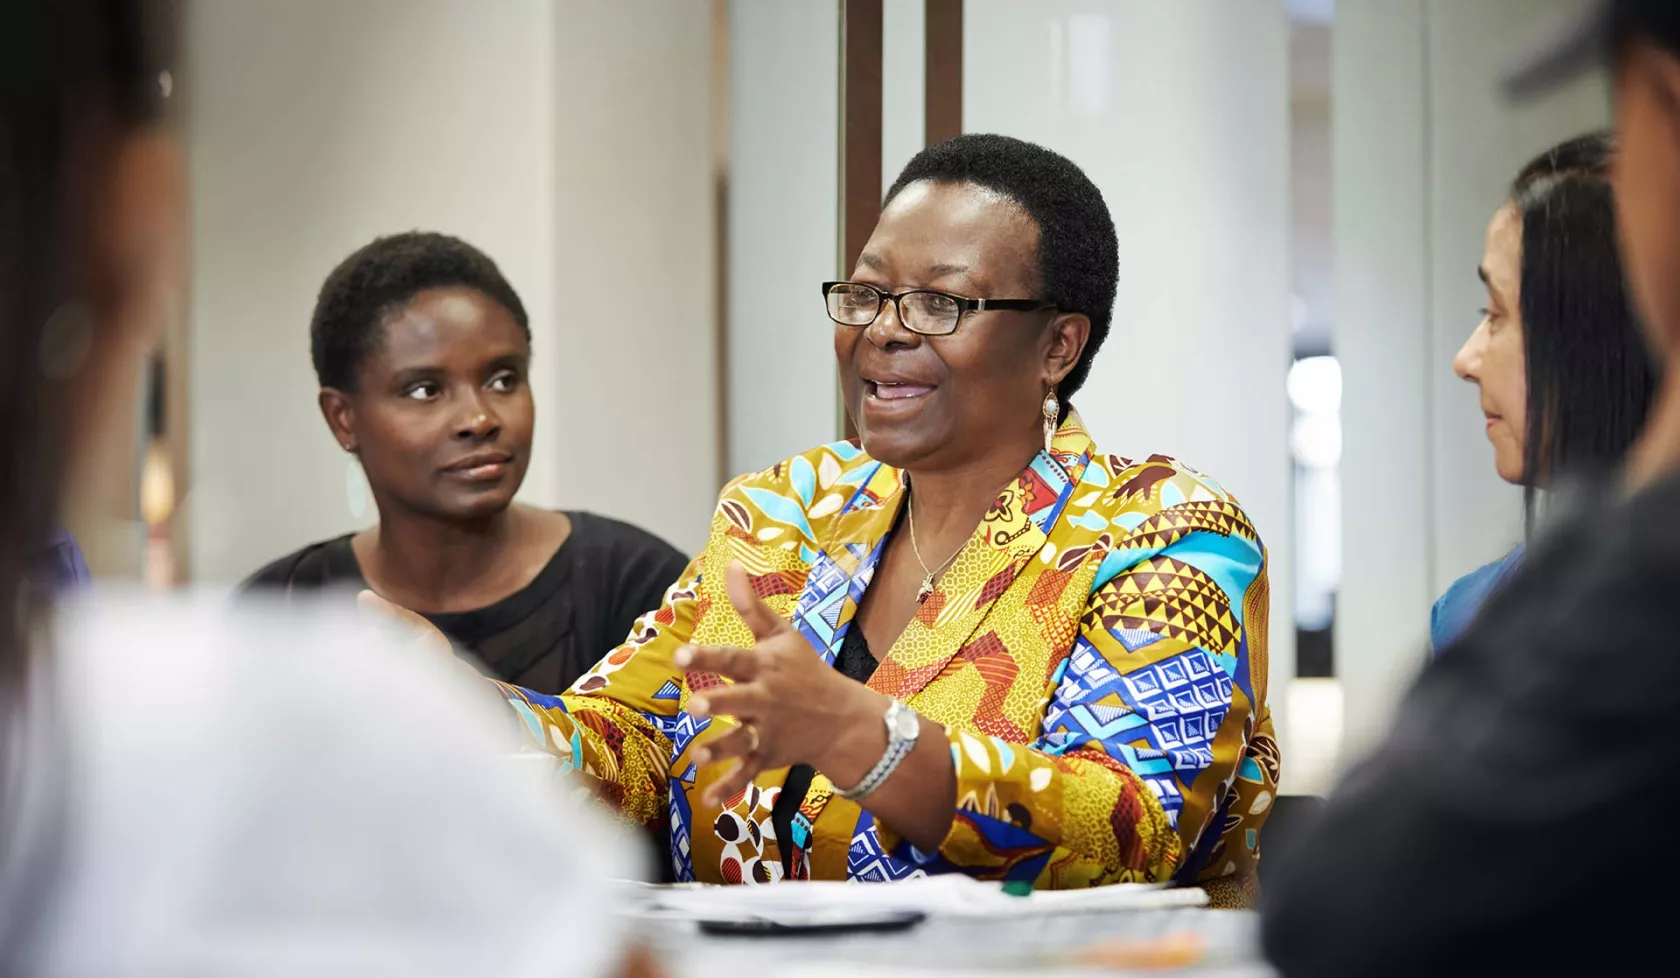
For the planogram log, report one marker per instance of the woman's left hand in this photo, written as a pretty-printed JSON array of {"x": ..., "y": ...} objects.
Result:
[{"x": 792, "y": 708}]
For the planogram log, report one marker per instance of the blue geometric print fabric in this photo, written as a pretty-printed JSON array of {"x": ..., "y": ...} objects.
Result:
[
  {"x": 867, "y": 862},
  {"x": 1175, "y": 706}
]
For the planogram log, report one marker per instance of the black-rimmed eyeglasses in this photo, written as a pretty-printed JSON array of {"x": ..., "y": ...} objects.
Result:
[{"x": 920, "y": 310}]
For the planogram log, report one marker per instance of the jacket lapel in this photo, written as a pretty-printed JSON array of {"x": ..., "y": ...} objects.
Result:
[
  {"x": 844, "y": 567},
  {"x": 1012, "y": 533},
  {"x": 839, "y": 575},
  {"x": 1008, "y": 537}
]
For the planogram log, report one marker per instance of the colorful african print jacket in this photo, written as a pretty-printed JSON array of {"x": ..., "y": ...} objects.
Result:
[{"x": 1097, "y": 654}]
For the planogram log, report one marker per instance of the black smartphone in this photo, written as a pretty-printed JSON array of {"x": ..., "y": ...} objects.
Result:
[{"x": 815, "y": 924}]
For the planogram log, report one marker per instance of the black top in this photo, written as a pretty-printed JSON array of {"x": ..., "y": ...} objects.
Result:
[
  {"x": 577, "y": 609},
  {"x": 857, "y": 663},
  {"x": 1517, "y": 819}
]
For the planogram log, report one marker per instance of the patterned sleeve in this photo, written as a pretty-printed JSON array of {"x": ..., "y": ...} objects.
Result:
[
  {"x": 1147, "y": 721},
  {"x": 620, "y": 723}
]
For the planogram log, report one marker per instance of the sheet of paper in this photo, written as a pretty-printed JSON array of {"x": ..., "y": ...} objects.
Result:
[{"x": 948, "y": 896}]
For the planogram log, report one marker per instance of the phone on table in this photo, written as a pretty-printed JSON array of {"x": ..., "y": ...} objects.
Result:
[{"x": 816, "y": 923}]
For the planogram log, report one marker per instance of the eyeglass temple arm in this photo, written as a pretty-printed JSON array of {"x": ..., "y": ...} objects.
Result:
[{"x": 981, "y": 305}]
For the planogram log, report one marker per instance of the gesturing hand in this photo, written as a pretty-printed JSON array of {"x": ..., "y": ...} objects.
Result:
[{"x": 792, "y": 708}]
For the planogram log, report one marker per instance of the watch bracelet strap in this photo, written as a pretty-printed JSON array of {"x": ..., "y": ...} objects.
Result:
[
  {"x": 898, "y": 748},
  {"x": 897, "y": 751}
]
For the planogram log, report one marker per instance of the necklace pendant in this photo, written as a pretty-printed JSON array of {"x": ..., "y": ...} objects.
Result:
[{"x": 925, "y": 590}]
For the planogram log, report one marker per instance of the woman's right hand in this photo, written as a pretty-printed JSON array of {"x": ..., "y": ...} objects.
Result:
[
  {"x": 414, "y": 631},
  {"x": 421, "y": 633}
]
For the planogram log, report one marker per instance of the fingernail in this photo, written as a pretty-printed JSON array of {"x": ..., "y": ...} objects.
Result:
[
  {"x": 702, "y": 757},
  {"x": 697, "y": 706},
  {"x": 683, "y": 657}
]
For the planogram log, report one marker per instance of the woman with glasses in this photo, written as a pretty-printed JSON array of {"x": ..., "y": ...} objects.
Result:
[{"x": 971, "y": 642}]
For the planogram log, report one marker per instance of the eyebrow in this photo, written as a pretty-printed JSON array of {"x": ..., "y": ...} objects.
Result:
[
  {"x": 871, "y": 260},
  {"x": 409, "y": 375}
]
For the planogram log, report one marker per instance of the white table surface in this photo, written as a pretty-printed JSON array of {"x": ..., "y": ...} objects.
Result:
[{"x": 947, "y": 947}]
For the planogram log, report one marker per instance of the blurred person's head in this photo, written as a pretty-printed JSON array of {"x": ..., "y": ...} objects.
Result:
[
  {"x": 90, "y": 253},
  {"x": 422, "y": 350},
  {"x": 977, "y": 217},
  {"x": 1563, "y": 372},
  {"x": 1646, "y": 69}
]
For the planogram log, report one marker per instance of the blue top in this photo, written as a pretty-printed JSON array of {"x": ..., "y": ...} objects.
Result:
[
  {"x": 1455, "y": 609},
  {"x": 59, "y": 566}
]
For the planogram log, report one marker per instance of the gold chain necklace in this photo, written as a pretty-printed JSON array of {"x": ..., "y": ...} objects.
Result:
[{"x": 927, "y": 578}]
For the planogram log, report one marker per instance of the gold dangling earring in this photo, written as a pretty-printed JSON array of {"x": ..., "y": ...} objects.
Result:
[{"x": 1052, "y": 412}]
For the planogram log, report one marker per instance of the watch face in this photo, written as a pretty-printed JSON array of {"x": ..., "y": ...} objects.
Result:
[{"x": 906, "y": 725}]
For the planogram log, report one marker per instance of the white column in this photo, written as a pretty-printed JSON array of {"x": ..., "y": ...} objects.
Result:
[
  {"x": 1424, "y": 150},
  {"x": 1179, "y": 113},
  {"x": 903, "y": 85},
  {"x": 783, "y": 228},
  {"x": 571, "y": 144},
  {"x": 635, "y": 428},
  {"x": 1378, "y": 132}
]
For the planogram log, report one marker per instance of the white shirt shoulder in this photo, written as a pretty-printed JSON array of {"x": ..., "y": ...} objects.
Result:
[{"x": 261, "y": 791}]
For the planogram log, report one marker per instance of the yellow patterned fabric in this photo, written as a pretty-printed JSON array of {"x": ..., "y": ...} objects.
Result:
[{"x": 1096, "y": 653}]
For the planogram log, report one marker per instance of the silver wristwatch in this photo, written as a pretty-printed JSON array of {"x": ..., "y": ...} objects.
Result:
[{"x": 903, "y": 727}]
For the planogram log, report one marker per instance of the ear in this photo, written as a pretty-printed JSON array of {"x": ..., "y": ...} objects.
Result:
[
  {"x": 340, "y": 415},
  {"x": 1064, "y": 343}
]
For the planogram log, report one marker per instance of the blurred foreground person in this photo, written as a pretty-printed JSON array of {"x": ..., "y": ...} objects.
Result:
[
  {"x": 1512, "y": 823},
  {"x": 58, "y": 567},
  {"x": 185, "y": 789},
  {"x": 1563, "y": 372}
]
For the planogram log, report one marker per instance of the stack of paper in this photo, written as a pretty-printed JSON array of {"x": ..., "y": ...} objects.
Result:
[{"x": 948, "y": 896}]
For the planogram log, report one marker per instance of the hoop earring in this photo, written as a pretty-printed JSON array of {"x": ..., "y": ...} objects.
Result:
[{"x": 1052, "y": 412}]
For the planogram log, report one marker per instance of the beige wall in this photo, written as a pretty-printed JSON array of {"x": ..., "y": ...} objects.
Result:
[{"x": 569, "y": 141}]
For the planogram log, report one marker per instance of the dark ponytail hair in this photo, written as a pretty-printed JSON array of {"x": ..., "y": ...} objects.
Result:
[{"x": 1590, "y": 376}]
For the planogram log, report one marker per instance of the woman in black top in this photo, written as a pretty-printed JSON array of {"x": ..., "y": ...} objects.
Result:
[{"x": 422, "y": 349}]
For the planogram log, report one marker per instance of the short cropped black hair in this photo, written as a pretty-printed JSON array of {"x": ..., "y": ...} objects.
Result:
[
  {"x": 378, "y": 279},
  {"x": 1078, "y": 254}
]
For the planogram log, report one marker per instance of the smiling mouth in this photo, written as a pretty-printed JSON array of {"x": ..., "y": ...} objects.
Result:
[{"x": 892, "y": 391}]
